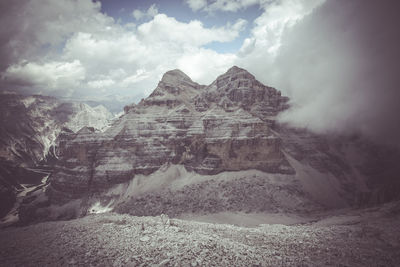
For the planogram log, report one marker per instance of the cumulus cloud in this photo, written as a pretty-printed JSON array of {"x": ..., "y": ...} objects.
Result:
[
  {"x": 336, "y": 60},
  {"x": 148, "y": 14},
  {"x": 340, "y": 67},
  {"x": 103, "y": 52},
  {"x": 30, "y": 28},
  {"x": 140, "y": 75},
  {"x": 133, "y": 59},
  {"x": 99, "y": 84},
  {"x": 50, "y": 75},
  {"x": 100, "y": 56},
  {"x": 231, "y": 5},
  {"x": 221, "y": 5},
  {"x": 196, "y": 5},
  {"x": 167, "y": 29},
  {"x": 197, "y": 64},
  {"x": 265, "y": 39}
]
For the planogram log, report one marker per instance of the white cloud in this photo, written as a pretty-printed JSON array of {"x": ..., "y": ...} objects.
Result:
[
  {"x": 138, "y": 14},
  {"x": 101, "y": 83},
  {"x": 196, "y": 5},
  {"x": 230, "y": 5},
  {"x": 71, "y": 46},
  {"x": 132, "y": 59},
  {"x": 333, "y": 59},
  {"x": 150, "y": 13},
  {"x": 140, "y": 75},
  {"x": 222, "y": 5},
  {"x": 101, "y": 52},
  {"x": 112, "y": 56},
  {"x": 167, "y": 29},
  {"x": 276, "y": 17},
  {"x": 338, "y": 65},
  {"x": 31, "y": 25},
  {"x": 259, "y": 50},
  {"x": 51, "y": 75},
  {"x": 204, "y": 65},
  {"x": 103, "y": 57}
]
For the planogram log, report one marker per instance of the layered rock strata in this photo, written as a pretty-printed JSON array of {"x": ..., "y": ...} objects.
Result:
[
  {"x": 29, "y": 126},
  {"x": 208, "y": 129},
  {"x": 190, "y": 148}
]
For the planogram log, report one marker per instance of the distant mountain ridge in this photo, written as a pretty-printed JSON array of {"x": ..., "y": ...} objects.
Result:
[
  {"x": 204, "y": 128},
  {"x": 191, "y": 148},
  {"x": 29, "y": 129}
]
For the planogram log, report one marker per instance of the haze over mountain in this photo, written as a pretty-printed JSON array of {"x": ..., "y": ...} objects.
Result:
[
  {"x": 191, "y": 149},
  {"x": 192, "y": 153},
  {"x": 199, "y": 133},
  {"x": 337, "y": 59}
]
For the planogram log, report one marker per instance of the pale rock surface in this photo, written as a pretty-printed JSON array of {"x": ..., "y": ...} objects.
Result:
[
  {"x": 169, "y": 127},
  {"x": 29, "y": 129},
  {"x": 353, "y": 238},
  {"x": 222, "y": 144}
]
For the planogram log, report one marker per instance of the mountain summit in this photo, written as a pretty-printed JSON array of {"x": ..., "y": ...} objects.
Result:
[
  {"x": 174, "y": 77},
  {"x": 235, "y": 69},
  {"x": 190, "y": 148},
  {"x": 207, "y": 129}
]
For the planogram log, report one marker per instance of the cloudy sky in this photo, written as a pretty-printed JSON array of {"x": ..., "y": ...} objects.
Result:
[{"x": 336, "y": 59}]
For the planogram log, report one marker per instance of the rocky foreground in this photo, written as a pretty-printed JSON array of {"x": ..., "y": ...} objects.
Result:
[{"x": 354, "y": 238}]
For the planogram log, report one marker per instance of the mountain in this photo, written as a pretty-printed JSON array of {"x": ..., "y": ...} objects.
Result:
[
  {"x": 113, "y": 103},
  {"x": 29, "y": 129},
  {"x": 177, "y": 124},
  {"x": 192, "y": 150}
]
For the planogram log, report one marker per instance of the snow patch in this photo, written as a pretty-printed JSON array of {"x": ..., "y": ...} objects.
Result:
[
  {"x": 98, "y": 117},
  {"x": 98, "y": 208},
  {"x": 28, "y": 101}
]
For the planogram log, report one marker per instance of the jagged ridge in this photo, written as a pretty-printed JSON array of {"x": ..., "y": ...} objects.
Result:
[
  {"x": 28, "y": 132},
  {"x": 172, "y": 126},
  {"x": 229, "y": 125}
]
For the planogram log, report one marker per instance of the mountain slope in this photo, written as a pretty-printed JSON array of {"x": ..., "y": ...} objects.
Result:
[
  {"x": 356, "y": 238},
  {"x": 29, "y": 129},
  {"x": 171, "y": 126},
  {"x": 223, "y": 144}
]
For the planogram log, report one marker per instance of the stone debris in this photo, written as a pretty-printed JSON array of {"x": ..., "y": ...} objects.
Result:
[{"x": 111, "y": 239}]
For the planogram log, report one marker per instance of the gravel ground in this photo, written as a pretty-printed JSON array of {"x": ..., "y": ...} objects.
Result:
[{"x": 368, "y": 238}]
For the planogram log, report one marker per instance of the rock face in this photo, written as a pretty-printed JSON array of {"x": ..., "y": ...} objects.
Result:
[
  {"x": 208, "y": 129},
  {"x": 215, "y": 131},
  {"x": 28, "y": 131},
  {"x": 238, "y": 88}
]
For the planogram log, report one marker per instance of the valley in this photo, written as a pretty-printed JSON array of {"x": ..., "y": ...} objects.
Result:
[{"x": 236, "y": 185}]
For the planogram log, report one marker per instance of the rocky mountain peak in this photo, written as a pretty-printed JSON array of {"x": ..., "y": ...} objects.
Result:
[
  {"x": 174, "y": 87},
  {"x": 186, "y": 131},
  {"x": 237, "y": 88},
  {"x": 175, "y": 77},
  {"x": 235, "y": 73},
  {"x": 235, "y": 69},
  {"x": 204, "y": 129}
]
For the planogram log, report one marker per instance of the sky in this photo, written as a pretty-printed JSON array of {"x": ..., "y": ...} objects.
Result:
[{"x": 337, "y": 60}]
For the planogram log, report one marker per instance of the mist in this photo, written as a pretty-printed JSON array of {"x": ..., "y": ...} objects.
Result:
[
  {"x": 340, "y": 67},
  {"x": 336, "y": 60}
]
